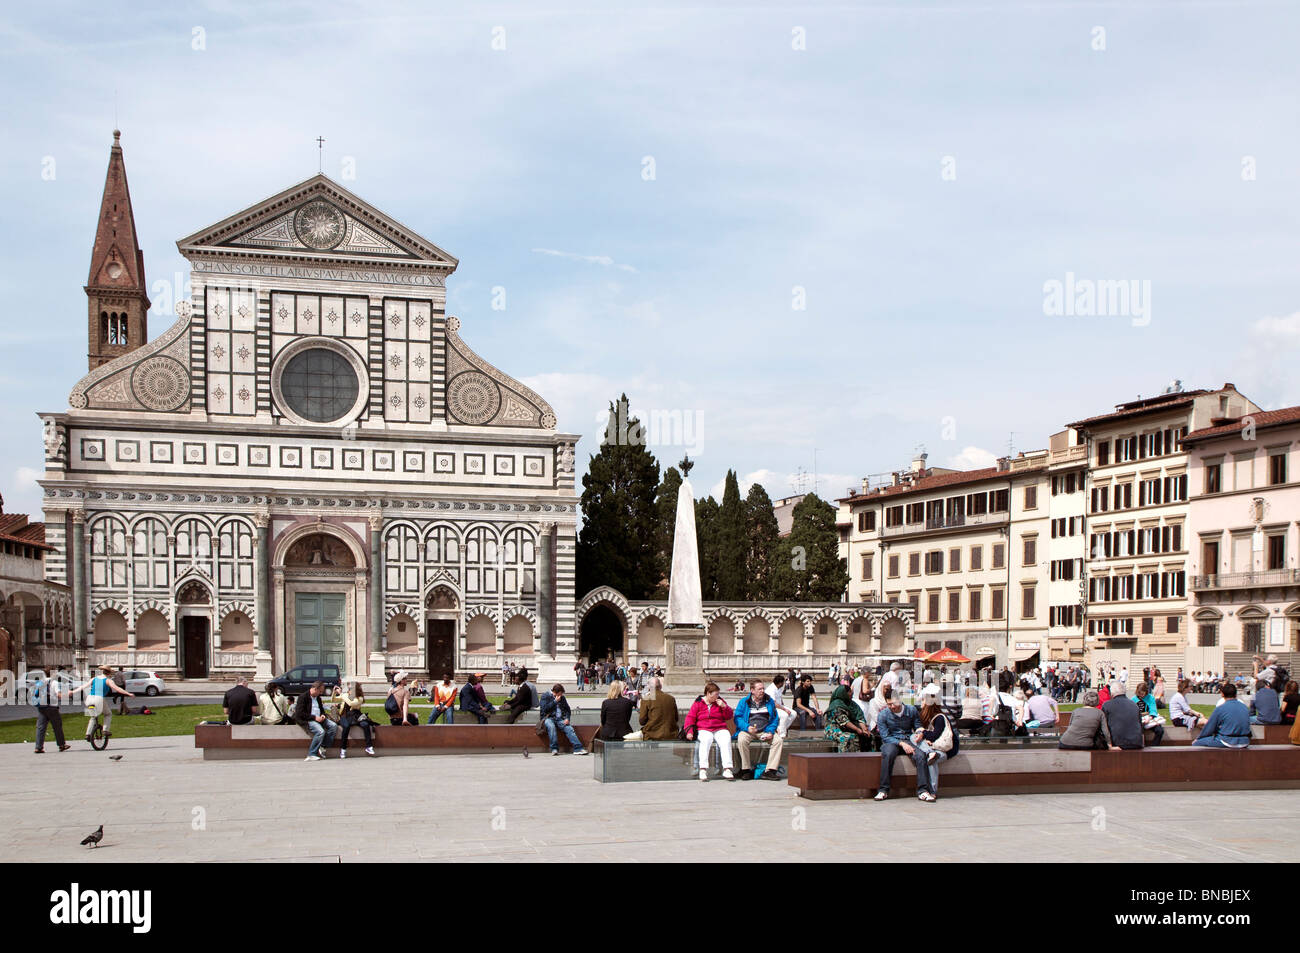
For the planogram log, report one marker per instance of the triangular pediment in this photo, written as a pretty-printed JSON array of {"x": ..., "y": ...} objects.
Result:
[{"x": 318, "y": 220}]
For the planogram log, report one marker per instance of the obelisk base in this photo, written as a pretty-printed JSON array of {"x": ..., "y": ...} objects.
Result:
[{"x": 684, "y": 668}]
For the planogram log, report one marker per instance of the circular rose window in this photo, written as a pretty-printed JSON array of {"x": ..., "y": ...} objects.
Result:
[{"x": 320, "y": 385}]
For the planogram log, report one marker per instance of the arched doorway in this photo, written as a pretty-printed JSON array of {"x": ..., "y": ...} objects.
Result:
[
  {"x": 319, "y": 586},
  {"x": 194, "y": 612},
  {"x": 602, "y": 633},
  {"x": 441, "y": 613}
]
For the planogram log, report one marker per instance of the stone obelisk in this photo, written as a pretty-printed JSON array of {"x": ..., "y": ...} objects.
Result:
[{"x": 684, "y": 635}]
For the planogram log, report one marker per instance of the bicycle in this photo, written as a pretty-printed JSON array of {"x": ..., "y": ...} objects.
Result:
[{"x": 98, "y": 738}]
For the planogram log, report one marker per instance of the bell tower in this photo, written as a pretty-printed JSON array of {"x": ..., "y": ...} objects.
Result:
[{"x": 118, "y": 306}]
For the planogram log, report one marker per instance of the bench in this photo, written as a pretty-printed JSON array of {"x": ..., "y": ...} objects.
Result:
[
  {"x": 675, "y": 760},
  {"x": 1052, "y": 771},
  {"x": 1178, "y": 735},
  {"x": 225, "y": 742}
]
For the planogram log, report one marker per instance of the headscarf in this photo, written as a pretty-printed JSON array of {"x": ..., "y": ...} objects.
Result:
[{"x": 841, "y": 701}]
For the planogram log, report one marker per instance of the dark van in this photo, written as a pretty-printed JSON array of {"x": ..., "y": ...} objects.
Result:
[{"x": 300, "y": 678}]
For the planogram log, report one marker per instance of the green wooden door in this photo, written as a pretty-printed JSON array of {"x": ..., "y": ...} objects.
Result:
[{"x": 320, "y": 634}]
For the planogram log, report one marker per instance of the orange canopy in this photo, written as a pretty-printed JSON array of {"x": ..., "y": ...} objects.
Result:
[{"x": 947, "y": 655}]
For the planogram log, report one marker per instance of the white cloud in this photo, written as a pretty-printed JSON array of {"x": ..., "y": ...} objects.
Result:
[
  {"x": 1267, "y": 357},
  {"x": 603, "y": 260},
  {"x": 972, "y": 458},
  {"x": 1284, "y": 331}
]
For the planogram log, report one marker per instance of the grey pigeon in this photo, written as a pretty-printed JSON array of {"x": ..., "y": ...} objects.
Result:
[
  {"x": 94, "y": 839},
  {"x": 525, "y": 752},
  {"x": 114, "y": 757}
]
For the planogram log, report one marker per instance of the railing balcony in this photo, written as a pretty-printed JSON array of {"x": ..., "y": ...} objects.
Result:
[
  {"x": 1248, "y": 580},
  {"x": 964, "y": 521}
]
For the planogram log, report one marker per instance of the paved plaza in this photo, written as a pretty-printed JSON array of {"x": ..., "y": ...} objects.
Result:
[{"x": 163, "y": 802}]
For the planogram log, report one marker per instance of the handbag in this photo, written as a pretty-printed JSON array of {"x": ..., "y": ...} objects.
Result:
[{"x": 944, "y": 741}]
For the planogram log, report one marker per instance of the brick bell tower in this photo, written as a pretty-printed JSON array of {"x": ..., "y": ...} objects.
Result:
[{"x": 118, "y": 306}]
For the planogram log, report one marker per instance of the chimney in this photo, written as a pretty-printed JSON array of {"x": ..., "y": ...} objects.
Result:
[
  {"x": 1004, "y": 464},
  {"x": 918, "y": 463},
  {"x": 866, "y": 486}
]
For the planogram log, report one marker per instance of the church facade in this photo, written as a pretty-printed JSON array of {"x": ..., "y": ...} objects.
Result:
[{"x": 310, "y": 466}]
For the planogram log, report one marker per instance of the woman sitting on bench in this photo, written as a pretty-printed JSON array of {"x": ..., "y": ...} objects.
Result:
[
  {"x": 708, "y": 719},
  {"x": 846, "y": 723}
]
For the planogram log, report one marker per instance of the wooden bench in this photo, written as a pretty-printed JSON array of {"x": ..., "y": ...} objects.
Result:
[
  {"x": 221, "y": 742},
  {"x": 1052, "y": 771}
]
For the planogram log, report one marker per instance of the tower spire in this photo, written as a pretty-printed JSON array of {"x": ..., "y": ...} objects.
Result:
[{"x": 118, "y": 303}]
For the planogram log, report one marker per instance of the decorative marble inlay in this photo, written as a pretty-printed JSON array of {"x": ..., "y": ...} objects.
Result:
[
  {"x": 160, "y": 383},
  {"x": 319, "y": 225}
]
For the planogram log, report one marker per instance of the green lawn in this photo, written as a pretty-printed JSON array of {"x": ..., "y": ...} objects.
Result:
[
  {"x": 1205, "y": 710},
  {"x": 166, "y": 720},
  {"x": 170, "y": 720}
]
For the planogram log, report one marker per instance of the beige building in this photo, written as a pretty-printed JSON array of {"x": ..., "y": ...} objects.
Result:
[
  {"x": 968, "y": 549},
  {"x": 1137, "y": 514},
  {"x": 1243, "y": 532}
]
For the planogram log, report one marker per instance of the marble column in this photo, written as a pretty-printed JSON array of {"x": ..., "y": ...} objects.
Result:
[
  {"x": 82, "y": 638},
  {"x": 376, "y": 593},
  {"x": 263, "y": 658},
  {"x": 546, "y": 588}
]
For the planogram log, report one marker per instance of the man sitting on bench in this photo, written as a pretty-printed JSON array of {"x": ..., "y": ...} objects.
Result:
[
  {"x": 896, "y": 725},
  {"x": 1229, "y": 724},
  {"x": 756, "y": 720}
]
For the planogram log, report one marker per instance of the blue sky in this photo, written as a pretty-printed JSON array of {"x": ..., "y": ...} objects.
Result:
[{"x": 821, "y": 168}]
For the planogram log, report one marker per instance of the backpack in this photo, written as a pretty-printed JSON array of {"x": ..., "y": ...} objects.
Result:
[
  {"x": 1280, "y": 677},
  {"x": 391, "y": 706}
]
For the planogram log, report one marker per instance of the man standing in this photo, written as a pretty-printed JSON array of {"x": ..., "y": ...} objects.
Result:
[
  {"x": 756, "y": 720},
  {"x": 240, "y": 703},
  {"x": 896, "y": 725},
  {"x": 45, "y": 696},
  {"x": 1123, "y": 719},
  {"x": 890, "y": 678},
  {"x": 309, "y": 713}
]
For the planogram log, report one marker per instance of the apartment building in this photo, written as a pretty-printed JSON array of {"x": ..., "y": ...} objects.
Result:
[
  {"x": 1137, "y": 506},
  {"x": 1067, "y": 546},
  {"x": 1243, "y": 530},
  {"x": 967, "y": 548}
]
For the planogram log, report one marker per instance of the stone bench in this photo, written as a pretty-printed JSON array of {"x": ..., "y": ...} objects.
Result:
[
  {"x": 223, "y": 742},
  {"x": 614, "y": 761},
  {"x": 1052, "y": 771},
  {"x": 1178, "y": 735}
]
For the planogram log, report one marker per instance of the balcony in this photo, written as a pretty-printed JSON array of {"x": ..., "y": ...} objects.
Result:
[
  {"x": 969, "y": 521},
  {"x": 1248, "y": 580}
]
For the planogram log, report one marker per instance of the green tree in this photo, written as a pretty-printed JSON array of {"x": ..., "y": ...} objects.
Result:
[
  {"x": 762, "y": 537},
  {"x": 706, "y": 537},
  {"x": 666, "y": 508},
  {"x": 732, "y": 543},
  {"x": 808, "y": 567},
  {"x": 617, "y": 545}
]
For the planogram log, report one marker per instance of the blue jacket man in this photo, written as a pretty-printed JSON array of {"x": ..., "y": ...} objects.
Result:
[
  {"x": 741, "y": 714},
  {"x": 554, "y": 719},
  {"x": 1265, "y": 708},
  {"x": 898, "y": 725},
  {"x": 1229, "y": 724}
]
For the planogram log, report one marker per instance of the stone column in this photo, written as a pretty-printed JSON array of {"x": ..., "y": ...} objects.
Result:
[
  {"x": 83, "y": 639},
  {"x": 376, "y": 592},
  {"x": 546, "y": 588},
  {"x": 263, "y": 658}
]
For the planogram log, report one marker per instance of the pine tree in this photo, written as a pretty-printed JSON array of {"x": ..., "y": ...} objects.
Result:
[
  {"x": 666, "y": 507},
  {"x": 762, "y": 536},
  {"x": 732, "y": 545},
  {"x": 618, "y": 542},
  {"x": 706, "y": 535},
  {"x": 808, "y": 567}
]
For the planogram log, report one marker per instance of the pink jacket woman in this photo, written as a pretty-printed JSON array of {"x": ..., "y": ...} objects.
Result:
[{"x": 707, "y": 717}]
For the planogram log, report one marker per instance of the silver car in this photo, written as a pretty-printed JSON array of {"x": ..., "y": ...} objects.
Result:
[{"x": 144, "y": 683}]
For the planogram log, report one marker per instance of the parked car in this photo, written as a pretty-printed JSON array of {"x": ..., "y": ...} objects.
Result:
[
  {"x": 144, "y": 683},
  {"x": 300, "y": 678}
]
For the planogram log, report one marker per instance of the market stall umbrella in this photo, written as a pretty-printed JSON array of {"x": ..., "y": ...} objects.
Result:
[
  {"x": 948, "y": 655},
  {"x": 919, "y": 654}
]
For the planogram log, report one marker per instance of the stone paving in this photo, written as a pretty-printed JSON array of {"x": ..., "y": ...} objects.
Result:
[{"x": 163, "y": 802}]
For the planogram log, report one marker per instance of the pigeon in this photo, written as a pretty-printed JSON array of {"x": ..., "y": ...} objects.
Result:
[
  {"x": 525, "y": 752},
  {"x": 114, "y": 757},
  {"x": 94, "y": 839}
]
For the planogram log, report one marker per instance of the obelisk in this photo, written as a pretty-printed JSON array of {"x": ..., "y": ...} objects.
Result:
[{"x": 684, "y": 635}]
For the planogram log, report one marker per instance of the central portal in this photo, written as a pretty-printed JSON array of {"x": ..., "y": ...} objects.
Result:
[{"x": 320, "y": 628}]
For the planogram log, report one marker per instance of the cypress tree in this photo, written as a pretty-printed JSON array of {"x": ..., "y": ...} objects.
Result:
[
  {"x": 617, "y": 545},
  {"x": 732, "y": 543},
  {"x": 706, "y": 536},
  {"x": 762, "y": 536},
  {"x": 808, "y": 567},
  {"x": 666, "y": 509}
]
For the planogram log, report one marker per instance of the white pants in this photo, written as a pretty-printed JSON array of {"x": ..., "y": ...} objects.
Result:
[
  {"x": 783, "y": 719},
  {"x": 723, "y": 738},
  {"x": 97, "y": 705}
]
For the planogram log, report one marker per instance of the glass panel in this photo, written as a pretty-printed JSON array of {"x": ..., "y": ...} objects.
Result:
[{"x": 319, "y": 385}]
